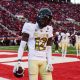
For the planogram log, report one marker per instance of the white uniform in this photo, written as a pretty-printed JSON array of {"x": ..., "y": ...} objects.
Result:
[
  {"x": 37, "y": 44},
  {"x": 65, "y": 38},
  {"x": 77, "y": 44},
  {"x": 77, "y": 39},
  {"x": 64, "y": 43},
  {"x": 37, "y": 40}
]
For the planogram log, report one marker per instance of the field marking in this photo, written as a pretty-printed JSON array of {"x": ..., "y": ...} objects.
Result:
[
  {"x": 8, "y": 53},
  {"x": 24, "y": 64},
  {"x": 11, "y": 59},
  {"x": 59, "y": 59},
  {"x": 4, "y": 78},
  {"x": 55, "y": 60}
]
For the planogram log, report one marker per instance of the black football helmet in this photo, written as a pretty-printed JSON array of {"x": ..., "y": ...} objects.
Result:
[
  {"x": 44, "y": 17},
  {"x": 18, "y": 71}
]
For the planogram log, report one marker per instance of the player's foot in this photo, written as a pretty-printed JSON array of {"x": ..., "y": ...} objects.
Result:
[{"x": 56, "y": 51}]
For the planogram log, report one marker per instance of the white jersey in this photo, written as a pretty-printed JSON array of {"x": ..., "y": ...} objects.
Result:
[
  {"x": 65, "y": 38},
  {"x": 37, "y": 40},
  {"x": 77, "y": 39}
]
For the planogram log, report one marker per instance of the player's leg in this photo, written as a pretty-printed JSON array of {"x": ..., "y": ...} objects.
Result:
[
  {"x": 33, "y": 70},
  {"x": 44, "y": 74},
  {"x": 33, "y": 77},
  {"x": 56, "y": 47},
  {"x": 77, "y": 49},
  {"x": 63, "y": 48},
  {"x": 65, "y": 52},
  {"x": 47, "y": 77}
]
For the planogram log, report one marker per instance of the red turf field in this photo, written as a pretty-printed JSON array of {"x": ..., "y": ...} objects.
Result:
[{"x": 62, "y": 71}]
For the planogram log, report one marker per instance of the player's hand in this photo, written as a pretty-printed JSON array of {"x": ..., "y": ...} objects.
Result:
[
  {"x": 49, "y": 67},
  {"x": 18, "y": 70},
  {"x": 16, "y": 67}
]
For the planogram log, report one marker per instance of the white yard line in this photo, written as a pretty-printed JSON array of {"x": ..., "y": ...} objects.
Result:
[
  {"x": 8, "y": 53},
  {"x": 11, "y": 59},
  {"x": 57, "y": 59},
  {"x": 3, "y": 78},
  {"x": 24, "y": 64}
]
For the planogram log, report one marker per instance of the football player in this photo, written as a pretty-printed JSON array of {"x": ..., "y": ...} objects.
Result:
[
  {"x": 73, "y": 39},
  {"x": 56, "y": 41},
  {"x": 64, "y": 43},
  {"x": 38, "y": 37},
  {"x": 77, "y": 44}
]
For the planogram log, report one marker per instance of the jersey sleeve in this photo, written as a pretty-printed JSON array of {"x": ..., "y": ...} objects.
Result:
[
  {"x": 26, "y": 28},
  {"x": 50, "y": 34}
]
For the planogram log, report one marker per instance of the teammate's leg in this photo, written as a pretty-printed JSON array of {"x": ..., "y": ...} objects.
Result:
[
  {"x": 77, "y": 49},
  {"x": 65, "y": 52},
  {"x": 63, "y": 49}
]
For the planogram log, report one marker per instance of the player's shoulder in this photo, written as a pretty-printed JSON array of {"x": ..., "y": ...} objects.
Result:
[
  {"x": 67, "y": 34},
  {"x": 62, "y": 34},
  {"x": 28, "y": 26},
  {"x": 50, "y": 28}
]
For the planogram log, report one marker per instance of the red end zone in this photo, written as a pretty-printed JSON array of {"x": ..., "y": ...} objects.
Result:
[{"x": 62, "y": 71}]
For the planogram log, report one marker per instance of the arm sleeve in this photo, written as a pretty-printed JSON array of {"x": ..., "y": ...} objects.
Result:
[
  {"x": 49, "y": 55},
  {"x": 26, "y": 28},
  {"x": 21, "y": 49},
  {"x": 49, "y": 45},
  {"x": 50, "y": 32}
]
